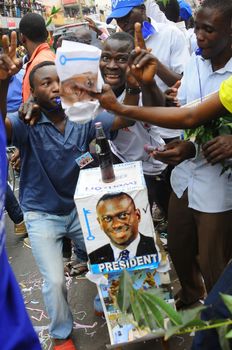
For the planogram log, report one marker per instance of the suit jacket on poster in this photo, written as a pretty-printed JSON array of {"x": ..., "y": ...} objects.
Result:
[{"x": 103, "y": 254}]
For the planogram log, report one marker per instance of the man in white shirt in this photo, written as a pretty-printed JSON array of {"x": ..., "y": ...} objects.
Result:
[
  {"x": 200, "y": 211},
  {"x": 129, "y": 143},
  {"x": 167, "y": 42}
]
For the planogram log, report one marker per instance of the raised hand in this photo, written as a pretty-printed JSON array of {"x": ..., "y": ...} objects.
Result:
[
  {"x": 142, "y": 63},
  {"x": 138, "y": 37},
  {"x": 9, "y": 63},
  {"x": 107, "y": 98},
  {"x": 92, "y": 25},
  {"x": 171, "y": 95},
  {"x": 29, "y": 112}
]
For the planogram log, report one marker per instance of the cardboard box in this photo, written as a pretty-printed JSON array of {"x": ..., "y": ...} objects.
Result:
[{"x": 119, "y": 210}]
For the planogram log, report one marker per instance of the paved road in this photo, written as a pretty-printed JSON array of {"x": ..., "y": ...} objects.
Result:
[{"x": 90, "y": 332}]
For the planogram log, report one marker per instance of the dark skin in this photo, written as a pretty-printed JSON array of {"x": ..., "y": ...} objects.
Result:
[
  {"x": 215, "y": 150},
  {"x": 213, "y": 33},
  {"x": 127, "y": 24},
  {"x": 45, "y": 89},
  {"x": 118, "y": 68}
]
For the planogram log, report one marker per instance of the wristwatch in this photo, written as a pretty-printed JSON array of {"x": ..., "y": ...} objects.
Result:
[{"x": 133, "y": 90}]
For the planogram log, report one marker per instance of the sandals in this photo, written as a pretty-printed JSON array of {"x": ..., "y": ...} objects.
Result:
[{"x": 76, "y": 269}]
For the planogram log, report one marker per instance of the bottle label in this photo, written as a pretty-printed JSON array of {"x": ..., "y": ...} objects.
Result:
[{"x": 98, "y": 149}]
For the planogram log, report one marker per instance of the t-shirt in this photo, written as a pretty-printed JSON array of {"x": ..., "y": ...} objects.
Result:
[
  {"x": 42, "y": 53},
  {"x": 14, "y": 95},
  {"x": 16, "y": 331},
  {"x": 49, "y": 169},
  {"x": 225, "y": 94}
]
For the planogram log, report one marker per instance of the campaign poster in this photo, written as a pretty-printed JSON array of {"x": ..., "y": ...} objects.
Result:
[{"x": 116, "y": 220}]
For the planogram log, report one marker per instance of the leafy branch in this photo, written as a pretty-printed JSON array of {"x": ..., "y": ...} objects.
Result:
[
  {"x": 152, "y": 312},
  {"x": 54, "y": 11},
  {"x": 205, "y": 133}
]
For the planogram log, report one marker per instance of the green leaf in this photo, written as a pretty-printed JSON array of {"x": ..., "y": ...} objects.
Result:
[
  {"x": 135, "y": 308},
  {"x": 191, "y": 317},
  {"x": 165, "y": 2},
  {"x": 125, "y": 288},
  {"x": 48, "y": 22},
  {"x": 138, "y": 311},
  {"x": 229, "y": 334},
  {"x": 174, "y": 316},
  {"x": 227, "y": 299},
  {"x": 154, "y": 311},
  {"x": 224, "y": 130},
  {"x": 224, "y": 342},
  {"x": 171, "y": 330},
  {"x": 149, "y": 321}
]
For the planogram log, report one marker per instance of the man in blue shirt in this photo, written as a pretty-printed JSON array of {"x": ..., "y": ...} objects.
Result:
[{"x": 49, "y": 151}]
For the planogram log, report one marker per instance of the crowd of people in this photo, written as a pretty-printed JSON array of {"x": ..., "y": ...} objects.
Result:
[{"x": 154, "y": 63}]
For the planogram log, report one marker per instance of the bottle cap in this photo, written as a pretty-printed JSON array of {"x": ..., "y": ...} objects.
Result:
[{"x": 98, "y": 124}]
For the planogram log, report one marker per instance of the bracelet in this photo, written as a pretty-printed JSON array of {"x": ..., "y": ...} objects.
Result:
[{"x": 133, "y": 91}]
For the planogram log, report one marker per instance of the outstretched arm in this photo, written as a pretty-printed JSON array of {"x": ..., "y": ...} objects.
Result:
[{"x": 169, "y": 117}]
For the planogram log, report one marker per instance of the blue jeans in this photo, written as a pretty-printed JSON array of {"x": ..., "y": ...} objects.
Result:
[
  {"x": 12, "y": 206},
  {"x": 46, "y": 232}
]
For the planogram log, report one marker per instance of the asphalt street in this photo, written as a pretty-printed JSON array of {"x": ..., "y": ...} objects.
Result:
[{"x": 90, "y": 332}]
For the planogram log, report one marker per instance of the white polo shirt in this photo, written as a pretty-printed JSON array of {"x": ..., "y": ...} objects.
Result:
[
  {"x": 208, "y": 191},
  {"x": 169, "y": 45},
  {"x": 129, "y": 143}
]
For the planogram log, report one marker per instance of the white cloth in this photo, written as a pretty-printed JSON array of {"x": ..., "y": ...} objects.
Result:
[
  {"x": 153, "y": 10},
  {"x": 132, "y": 248},
  {"x": 129, "y": 144},
  {"x": 169, "y": 45},
  {"x": 208, "y": 191},
  {"x": 193, "y": 40},
  {"x": 182, "y": 27}
]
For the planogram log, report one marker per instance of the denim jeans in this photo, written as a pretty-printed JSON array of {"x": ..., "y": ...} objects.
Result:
[
  {"x": 12, "y": 206},
  {"x": 46, "y": 232}
]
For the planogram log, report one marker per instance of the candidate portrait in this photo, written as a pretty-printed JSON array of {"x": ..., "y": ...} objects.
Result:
[{"x": 119, "y": 220}]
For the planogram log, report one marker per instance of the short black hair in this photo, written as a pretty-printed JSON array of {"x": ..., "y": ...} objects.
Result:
[
  {"x": 109, "y": 196},
  {"x": 34, "y": 69},
  {"x": 224, "y": 6},
  {"x": 33, "y": 26},
  {"x": 122, "y": 36},
  {"x": 171, "y": 9}
]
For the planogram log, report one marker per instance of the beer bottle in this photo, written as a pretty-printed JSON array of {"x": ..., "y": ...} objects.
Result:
[{"x": 104, "y": 154}]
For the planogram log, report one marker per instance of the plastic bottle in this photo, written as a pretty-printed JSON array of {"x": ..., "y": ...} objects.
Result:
[{"x": 104, "y": 154}]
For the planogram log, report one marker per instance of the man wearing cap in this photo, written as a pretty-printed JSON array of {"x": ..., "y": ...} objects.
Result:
[{"x": 167, "y": 42}]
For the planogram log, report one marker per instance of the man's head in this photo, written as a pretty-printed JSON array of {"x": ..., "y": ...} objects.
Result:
[
  {"x": 44, "y": 82},
  {"x": 83, "y": 36},
  {"x": 171, "y": 9},
  {"x": 118, "y": 218},
  {"x": 213, "y": 28},
  {"x": 127, "y": 13},
  {"x": 114, "y": 59},
  {"x": 32, "y": 28}
]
